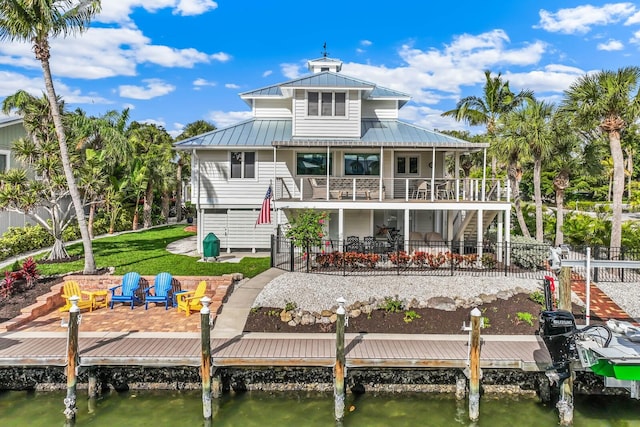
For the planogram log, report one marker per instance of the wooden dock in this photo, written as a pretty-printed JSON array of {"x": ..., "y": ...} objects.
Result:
[{"x": 283, "y": 350}]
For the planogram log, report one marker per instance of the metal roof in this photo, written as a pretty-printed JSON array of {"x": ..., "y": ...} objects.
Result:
[
  {"x": 250, "y": 133},
  {"x": 8, "y": 121},
  {"x": 327, "y": 79},
  {"x": 277, "y": 132}
]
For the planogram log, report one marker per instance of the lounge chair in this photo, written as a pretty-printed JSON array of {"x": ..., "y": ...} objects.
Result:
[
  {"x": 128, "y": 287},
  {"x": 71, "y": 288},
  {"x": 190, "y": 300},
  {"x": 162, "y": 286}
]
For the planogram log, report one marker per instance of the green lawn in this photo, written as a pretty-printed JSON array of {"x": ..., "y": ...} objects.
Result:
[{"x": 146, "y": 253}]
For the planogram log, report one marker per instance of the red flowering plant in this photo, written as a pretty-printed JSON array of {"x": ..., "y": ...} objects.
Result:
[{"x": 400, "y": 258}]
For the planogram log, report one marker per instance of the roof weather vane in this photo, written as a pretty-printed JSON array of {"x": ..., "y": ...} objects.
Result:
[{"x": 324, "y": 52}]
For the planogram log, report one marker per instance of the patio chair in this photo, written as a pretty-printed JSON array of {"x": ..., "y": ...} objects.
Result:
[
  {"x": 353, "y": 244},
  {"x": 421, "y": 190},
  {"x": 162, "y": 287},
  {"x": 190, "y": 300},
  {"x": 128, "y": 287},
  {"x": 71, "y": 288}
]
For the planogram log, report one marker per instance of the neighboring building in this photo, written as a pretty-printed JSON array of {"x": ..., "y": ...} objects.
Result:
[
  {"x": 334, "y": 143},
  {"x": 10, "y": 129}
]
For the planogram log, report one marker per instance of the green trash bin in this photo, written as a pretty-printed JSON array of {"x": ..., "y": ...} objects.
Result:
[{"x": 211, "y": 246}]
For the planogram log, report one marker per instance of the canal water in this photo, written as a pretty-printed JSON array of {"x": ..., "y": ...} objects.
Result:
[{"x": 164, "y": 409}]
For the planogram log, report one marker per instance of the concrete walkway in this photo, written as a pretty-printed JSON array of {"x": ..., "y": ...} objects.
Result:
[{"x": 230, "y": 321}]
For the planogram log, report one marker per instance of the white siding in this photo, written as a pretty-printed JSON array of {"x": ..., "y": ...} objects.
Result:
[
  {"x": 217, "y": 189},
  {"x": 344, "y": 127},
  {"x": 379, "y": 110},
  {"x": 236, "y": 228},
  {"x": 272, "y": 108},
  {"x": 13, "y": 219},
  {"x": 357, "y": 223}
]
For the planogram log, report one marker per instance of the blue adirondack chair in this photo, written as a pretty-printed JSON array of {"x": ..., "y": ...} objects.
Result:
[
  {"x": 128, "y": 287},
  {"x": 162, "y": 286}
]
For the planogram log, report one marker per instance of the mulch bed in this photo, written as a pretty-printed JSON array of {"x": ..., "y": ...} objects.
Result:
[
  {"x": 501, "y": 315},
  {"x": 10, "y": 307}
]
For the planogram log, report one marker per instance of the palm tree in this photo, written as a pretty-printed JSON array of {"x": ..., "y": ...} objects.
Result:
[
  {"x": 35, "y": 21},
  {"x": 513, "y": 147},
  {"x": 536, "y": 118},
  {"x": 497, "y": 99},
  {"x": 190, "y": 130},
  {"x": 608, "y": 101}
]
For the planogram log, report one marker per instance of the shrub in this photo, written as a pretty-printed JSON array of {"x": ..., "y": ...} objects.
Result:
[
  {"x": 392, "y": 305},
  {"x": 537, "y": 296},
  {"x": 525, "y": 316},
  {"x": 488, "y": 261},
  {"x": 400, "y": 258},
  {"x": 18, "y": 240},
  {"x": 528, "y": 253},
  {"x": 410, "y": 316}
]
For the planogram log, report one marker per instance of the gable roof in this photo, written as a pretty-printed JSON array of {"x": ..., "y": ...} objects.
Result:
[
  {"x": 8, "y": 121},
  {"x": 268, "y": 133}
]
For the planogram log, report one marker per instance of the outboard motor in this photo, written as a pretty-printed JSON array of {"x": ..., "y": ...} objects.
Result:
[{"x": 558, "y": 329}]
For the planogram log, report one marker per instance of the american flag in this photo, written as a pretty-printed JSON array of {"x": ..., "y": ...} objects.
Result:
[{"x": 265, "y": 210}]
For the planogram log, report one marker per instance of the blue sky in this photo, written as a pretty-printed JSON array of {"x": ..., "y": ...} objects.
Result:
[{"x": 176, "y": 61}]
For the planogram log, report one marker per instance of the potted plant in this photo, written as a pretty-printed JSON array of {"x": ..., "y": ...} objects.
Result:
[{"x": 189, "y": 211}]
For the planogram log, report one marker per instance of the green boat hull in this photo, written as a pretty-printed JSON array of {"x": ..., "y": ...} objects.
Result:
[{"x": 622, "y": 372}]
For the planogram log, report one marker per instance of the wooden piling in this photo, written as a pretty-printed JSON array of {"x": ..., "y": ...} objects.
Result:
[
  {"x": 474, "y": 366},
  {"x": 339, "y": 370},
  {"x": 565, "y": 403},
  {"x": 564, "y": 290},
  {"x": 72, "y": 360},
  {"x": 205, "y": 366},
  {"x": 92, "y": 391}
]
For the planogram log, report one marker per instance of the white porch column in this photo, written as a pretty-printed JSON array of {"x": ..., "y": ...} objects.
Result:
[
  {"x": 507, "y": 234},
  {"x": 406, "y": 230},
  {"x": 433, "y": 173},
  {"x": 499, "y": 236},
  {"x": 341, "y": 226},
  {"x": 450, "y": 218},
  {"x": 479, "y": 233},
  {"x": 199, "y": 220},
  {"x": 457, "y": 176},
  {"x": 484, "y": 173},
  {"x": 381, "y": 170}
]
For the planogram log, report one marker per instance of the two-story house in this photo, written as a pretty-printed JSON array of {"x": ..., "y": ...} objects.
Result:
[{"x": 334, "y": 143}]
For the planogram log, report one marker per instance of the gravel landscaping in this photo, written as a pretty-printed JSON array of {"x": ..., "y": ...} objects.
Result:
[{"x": 626, "y": 295}]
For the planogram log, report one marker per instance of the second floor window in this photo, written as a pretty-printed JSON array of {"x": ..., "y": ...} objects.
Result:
[
  {"x": 243, "y": 164},
  {"x": 326, "y": 104}
]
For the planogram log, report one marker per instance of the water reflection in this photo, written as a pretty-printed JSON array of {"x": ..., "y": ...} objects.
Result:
[{"x": 174, "y": 408}]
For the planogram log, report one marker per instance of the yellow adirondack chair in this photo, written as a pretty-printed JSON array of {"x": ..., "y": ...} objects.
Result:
[
  {"x": 71, "y": 288},
  {"x": 190, "y": 300}
]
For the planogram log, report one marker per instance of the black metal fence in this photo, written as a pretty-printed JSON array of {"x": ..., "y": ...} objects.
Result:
[{"x": 379, "y": 257}]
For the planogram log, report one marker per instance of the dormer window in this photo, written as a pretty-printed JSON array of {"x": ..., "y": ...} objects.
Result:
[{"x": 326, "y": 104}]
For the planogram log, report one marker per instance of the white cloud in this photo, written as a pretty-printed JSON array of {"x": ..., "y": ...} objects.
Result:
[
  {"x": 580, "y": 19},
  {"x": 195, "y": 7},
  {"x": 636, "y": 38},
  {"x": 429, "y": 118},
  {"x": 129, "y": 106},
  {"x": 553, "y": 78},
  {"x": 231, "y": 86},
  {"x": 11, "y": 82},
  {"x": 291, "y": 71},
  {"x": 227, "y": 118},
  {"x": 366, "y": 42},
  {"x": 105, "y": 52},
  {"x": 200, "y": 83},
  {"x": 267, "y": 73},
  {"x": 152, "y": 89},
  {"x": 358, "y": 50},
  {"x": 430, "y": 76},
  {"x": 157, "y": 122},
  {"x": 119, "y": 11},
  {"x": 611, "y": 45},
  {"x": 221, "y": 57},
  {"x": 633, "y": 19}
]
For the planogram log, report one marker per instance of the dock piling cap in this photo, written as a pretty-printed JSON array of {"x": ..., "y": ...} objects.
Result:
[{"x": 475, "y": 312}]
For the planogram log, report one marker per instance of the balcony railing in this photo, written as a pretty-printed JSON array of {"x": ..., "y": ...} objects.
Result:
[{"x": 398, "y": 189}]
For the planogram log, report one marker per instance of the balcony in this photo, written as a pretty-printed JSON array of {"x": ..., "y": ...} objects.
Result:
[{"x": 372, "y": 189}]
